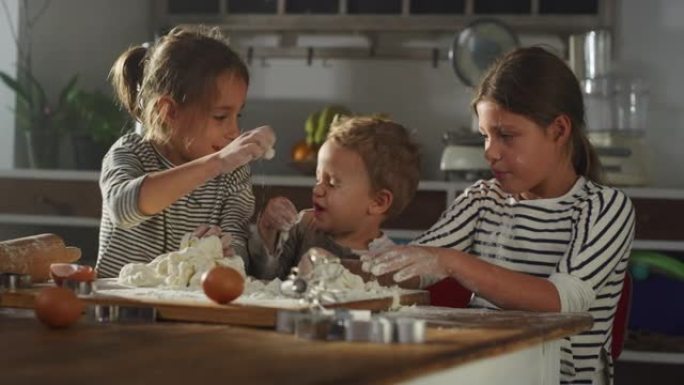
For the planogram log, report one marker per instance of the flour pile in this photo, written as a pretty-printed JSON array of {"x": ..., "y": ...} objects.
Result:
[
  {"x": 171, "y": 274},
  {"x": 181, "y": 269},
  {"x": 339, "y": 280}
]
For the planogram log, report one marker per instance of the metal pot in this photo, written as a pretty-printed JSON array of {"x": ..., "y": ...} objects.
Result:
[{"x": 591, "y": 54}]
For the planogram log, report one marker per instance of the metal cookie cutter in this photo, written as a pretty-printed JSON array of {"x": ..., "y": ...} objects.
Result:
[
  {"x": 341, "y": 320},
  {"x": 122, "y": 314},
  {"x": 14, "y": 281},
  {"x": 287, "y": 319},
  {"x": 314, "y": 325},
  {"x": 357, "y": 330},
  {"x": 381, "y": 330},
  {"x": 79, "y": 287},
  {"x": 410, "y": 331}
]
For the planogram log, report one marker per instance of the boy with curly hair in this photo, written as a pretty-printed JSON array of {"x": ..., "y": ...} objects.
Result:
[{"x": 368, "y": 171}]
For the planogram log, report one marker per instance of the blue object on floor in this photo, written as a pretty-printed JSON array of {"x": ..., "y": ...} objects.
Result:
[{"x": 657, "y": 304}]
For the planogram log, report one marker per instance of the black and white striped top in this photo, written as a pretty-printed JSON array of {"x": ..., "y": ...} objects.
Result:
[
  {"x": 580, "y": 242},
  {"x": 127, "y": 236}
]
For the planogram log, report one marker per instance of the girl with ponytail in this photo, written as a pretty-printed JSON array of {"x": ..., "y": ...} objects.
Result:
[{"x": 543, "y": 234}]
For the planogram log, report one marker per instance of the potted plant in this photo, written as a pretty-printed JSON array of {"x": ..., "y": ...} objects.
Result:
[
  {"x": 98, "y": 122},
  {"x": 42, "y": 122}
]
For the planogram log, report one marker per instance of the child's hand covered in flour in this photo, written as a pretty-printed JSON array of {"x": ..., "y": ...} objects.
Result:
[
  {"x": 251, "y": 145},
  {"x": 279, "y": 216},
  {"x": 406, "y": 262},
  {"x": 204, "y": 231}
]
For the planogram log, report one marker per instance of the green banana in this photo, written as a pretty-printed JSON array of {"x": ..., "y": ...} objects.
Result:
[
  {"x": 327, "y": 116},
  {"x": 310, "y": 127}
]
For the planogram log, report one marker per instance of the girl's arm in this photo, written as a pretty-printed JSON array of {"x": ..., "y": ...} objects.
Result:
[
  {"x": 600, "y": 252},
  {"x": 161, "y": 189},
  {"x": 505, "y": 288}
]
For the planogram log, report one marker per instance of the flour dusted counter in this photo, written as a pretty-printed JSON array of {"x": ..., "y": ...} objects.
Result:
[{"x": 462, "y": 346}]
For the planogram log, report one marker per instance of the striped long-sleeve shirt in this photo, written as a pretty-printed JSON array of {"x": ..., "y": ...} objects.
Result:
[
  {"x": 580, "y": 242},
  {"x": 126, "y": 235}
]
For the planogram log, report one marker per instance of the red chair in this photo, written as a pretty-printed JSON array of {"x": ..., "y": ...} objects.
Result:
[
  {"x": 621, "y": 318},
  {"x": 449, "y": 293}
]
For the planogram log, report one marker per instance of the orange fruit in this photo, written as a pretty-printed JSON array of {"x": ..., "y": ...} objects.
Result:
[{"x": 302, "y": 151}]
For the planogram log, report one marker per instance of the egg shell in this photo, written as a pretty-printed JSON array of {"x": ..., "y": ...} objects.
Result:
[
  {"x": 223, "y": 284},
  {"x": 72, "y": 271},
  {"x": 58, "y": 307}
]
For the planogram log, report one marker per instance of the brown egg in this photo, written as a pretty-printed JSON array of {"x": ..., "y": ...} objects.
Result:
[
  {"x": 72, "y": 271},
  {"x": 223, "y": 284},
  {"x": 58, "y": 307}
]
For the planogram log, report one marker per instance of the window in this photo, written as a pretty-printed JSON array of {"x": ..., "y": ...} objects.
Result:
[
  {"x": 180, "y": 7},
  {"x": 252, "y": 6}
]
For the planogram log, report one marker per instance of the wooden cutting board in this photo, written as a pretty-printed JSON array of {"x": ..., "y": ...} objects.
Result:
[{"x": 247, "y": 313}]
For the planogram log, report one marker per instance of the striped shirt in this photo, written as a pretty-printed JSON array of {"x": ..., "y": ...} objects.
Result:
[
  {"x": 127, "y": 235},
  {"x": 580, "y": 241}
]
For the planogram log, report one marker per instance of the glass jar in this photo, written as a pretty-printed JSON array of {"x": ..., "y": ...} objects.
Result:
[
  {"x": 598, "y": 103},
  {"x": 630, "y": 105},
  {"x": 615, "y": 104}
]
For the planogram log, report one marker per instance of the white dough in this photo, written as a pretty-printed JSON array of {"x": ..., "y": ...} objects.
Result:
[{"x": 183, "y": 268}]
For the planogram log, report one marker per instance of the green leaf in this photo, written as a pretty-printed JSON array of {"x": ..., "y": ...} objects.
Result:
[
  {"x": 68, "y": 93},
  {"x": 15, "y": 86},
  {"x": 37, "y": 95}
]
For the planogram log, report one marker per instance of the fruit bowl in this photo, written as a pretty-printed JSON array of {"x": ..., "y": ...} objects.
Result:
[{"x": 306, "y": 167}]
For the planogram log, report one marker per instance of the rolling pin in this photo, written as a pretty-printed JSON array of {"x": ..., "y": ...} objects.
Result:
[{"x": 33, "y": 255}]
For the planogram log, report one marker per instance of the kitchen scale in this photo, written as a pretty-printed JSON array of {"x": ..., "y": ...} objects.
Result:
[{"x": 472, "y": 51}]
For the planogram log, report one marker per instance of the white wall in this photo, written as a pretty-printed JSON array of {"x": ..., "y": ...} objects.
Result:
[
  {"x": 85, "y": 36},
  {"x": 425, "y": 99},
  {"x": 81, "y": 37},
  {"x": 8, "y": 62},
  {"x": 650, "y": 45}
]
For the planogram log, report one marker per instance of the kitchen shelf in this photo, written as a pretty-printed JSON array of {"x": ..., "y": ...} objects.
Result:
[
  {"x": 644, "y": 244},
  {"x": 652, "y": 357},
  {"x": 546, "y": 16},
  {"x": 44, "y": 174},
  {"x": 289, "y": 18},
  {"x": 49, "y": 220},
  {"x": 560, "y": 25}
]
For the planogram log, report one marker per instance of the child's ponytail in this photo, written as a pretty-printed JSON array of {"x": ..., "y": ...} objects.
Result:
[
  {"x": 126, "y": 77},
  {"x": 584, "y": 157},
  {"x": 183, "y": 66}
]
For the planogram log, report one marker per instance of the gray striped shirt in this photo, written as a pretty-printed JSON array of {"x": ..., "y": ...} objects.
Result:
[
  {"x": 126, "y": 235},
  {"x": 581, "y": 242}
]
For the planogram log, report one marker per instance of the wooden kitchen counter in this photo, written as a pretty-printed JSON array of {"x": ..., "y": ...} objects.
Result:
[{"x": 184, "y": 353}]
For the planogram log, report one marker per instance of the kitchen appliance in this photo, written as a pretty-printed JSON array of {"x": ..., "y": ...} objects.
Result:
[
  {"x": 472, "y": 51},
  {"x": 615, "y": 108},
  {"x": 477, "y": 46},
  {"x": 622, "y": 157},
  {"x": 463, "y": 156}
]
